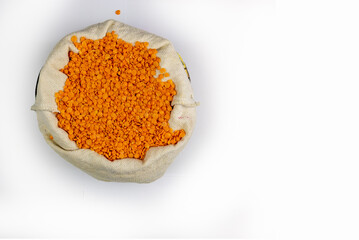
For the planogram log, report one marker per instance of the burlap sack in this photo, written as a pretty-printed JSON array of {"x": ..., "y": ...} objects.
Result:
[{"x": 157, "y": 159}]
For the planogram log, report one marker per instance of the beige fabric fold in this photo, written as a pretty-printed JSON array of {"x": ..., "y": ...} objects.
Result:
[{"x": 157, "y": 159}]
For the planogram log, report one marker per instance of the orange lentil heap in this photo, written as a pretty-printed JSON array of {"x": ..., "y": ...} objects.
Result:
[{"x": 114, "y": 101}]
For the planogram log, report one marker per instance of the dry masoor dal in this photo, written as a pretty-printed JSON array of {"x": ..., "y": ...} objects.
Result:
[
  {"x": 107, "y": 105},
  {"x": 115, "y": 101}
]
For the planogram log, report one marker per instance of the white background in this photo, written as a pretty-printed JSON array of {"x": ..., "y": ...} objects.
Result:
[{"x": 275, "y": 151}]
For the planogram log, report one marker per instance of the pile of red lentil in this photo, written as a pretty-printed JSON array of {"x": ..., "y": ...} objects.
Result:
[{"x": 115, "y": 101}]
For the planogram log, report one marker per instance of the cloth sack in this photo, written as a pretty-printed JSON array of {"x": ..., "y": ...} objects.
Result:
[{"x": 157, "y": 159}]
